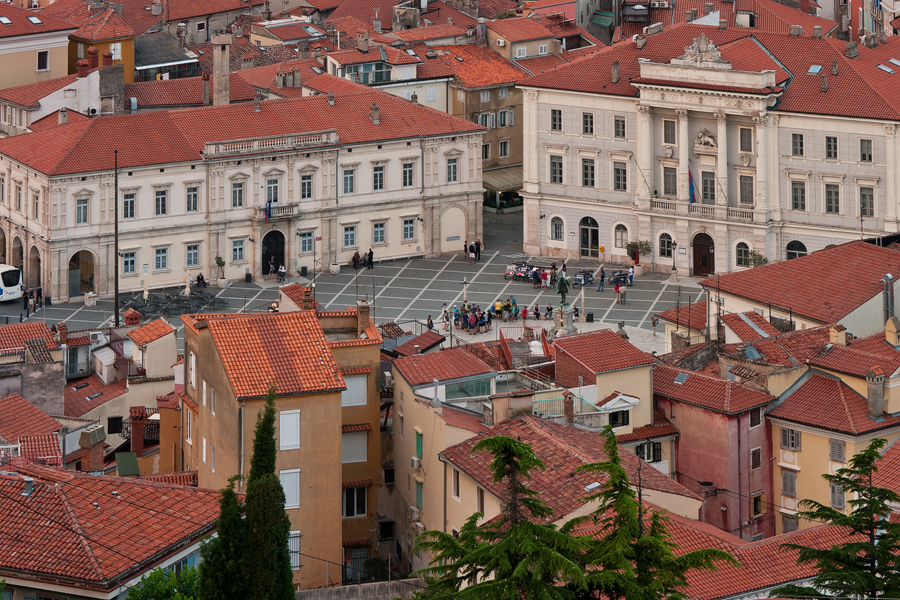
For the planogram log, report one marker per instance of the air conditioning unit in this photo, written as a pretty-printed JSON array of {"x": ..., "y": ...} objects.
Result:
[
  {"x": 418, "y": 529},
  {"x": 416, "y": 463},
  {"x": 501, "y": 42},
  {"x": 388, "y": 379},
  {"x": 95, "y": 337},
  {"x": 654, "y": 5},
  {"x": 415, "y": 513},
  {"x": 664, "y": 5}
]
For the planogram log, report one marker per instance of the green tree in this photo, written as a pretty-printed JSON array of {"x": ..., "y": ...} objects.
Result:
[
  {"x": 266, "y": 563},
  {"x": 756, "y": 258},
  {"x": 165, "y": 585},
  {"x": 632, "y": 556},
  {"x": 220, "y": 569},
  {"x": 510, "y": 558},
  {"x": 867, "y": 563}
]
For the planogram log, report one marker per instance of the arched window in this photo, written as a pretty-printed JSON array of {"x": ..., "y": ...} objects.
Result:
[
  {"x": 795, "y": 249},
  {"x": 556, "y": 229},
  {"x": 741, "y": 252},
  {"x": 665, "y": 245},
  {"x": 621, "y": 234}
]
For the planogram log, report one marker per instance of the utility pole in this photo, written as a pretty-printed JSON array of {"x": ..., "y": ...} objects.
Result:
[{"x": 116, "y": 243}]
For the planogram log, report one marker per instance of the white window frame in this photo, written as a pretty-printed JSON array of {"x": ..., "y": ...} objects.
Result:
[
  {"x": 521, "y": 52},
  {"x": 286, "y": 476},
  {"x": 542, "y": 49},
  {"x": 289, "y": 430},
  {"x": 192, "y": 251},
  {"x": 504, "y": 149},
  {"x": 192, "y": 198},
  {"x": 485, "y": 95},
  {"x": 357, "y": 392},
  {"x": 354, "y": 447},
  {"x": 554, "y": 221},
  {"x": 409, "y": 174},
  {"x": 129, "y": 201},
  {"x": 204, "y": 449},
  {"x": 350, "y": 236},
  {"x": 237, "y": 251},
  {"x": 273, "y": 189},
  {"x": 82, "y": 211},
  {"x": 161, "y": 203},
  {"x": 409, "y": 230},
  {"x": 306, "y": 237},
  {"x": 237, "y": 194},
  {"x": 129, "y": 259},
  {"x": 192, "y": 369},
  {"x": 349, "y": 181},
  {"x": 356, "y": 492},
  {"x": 161, "y": 257},
  {"x": 306, "y": 186},
  {"x": 452, "y": 170},
  {"x": 37, "y": 64},
  {"x": 189, "y": 426},
  {"x": 378, "y": 178}
]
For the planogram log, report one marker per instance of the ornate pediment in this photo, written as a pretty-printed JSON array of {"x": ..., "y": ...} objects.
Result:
[{"x": 702, "y": 53}]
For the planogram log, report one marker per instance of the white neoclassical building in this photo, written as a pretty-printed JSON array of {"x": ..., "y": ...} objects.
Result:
[
  {"x": 306, "y": 181},
  {"x": 786, "y": 139}
]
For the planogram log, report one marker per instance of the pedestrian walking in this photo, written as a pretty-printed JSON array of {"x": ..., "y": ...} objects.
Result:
[
  {"x": 623, "y": 291},
  {"x": 524, "y": 314},
  {"x": 549, "y": 312},
  {"x": 445, "y": 317},
  {"x": 472, "y": 253},
  {"x": 25, "y": 300},
  {"x": 630, "y": 275},
  {"x": 618, "y": 294},
  {"x": 535, "y": 277},
  {"x": 544, "y": 277},
  {"x": 478, "y": 250},
  {"x": 466, "y": 249},
  {"x": 355, "y": 261},
  {"x": 430, "y": 323},
  {"x": 272, "y": 267},
  {"x": 371, "y": 257},
  {"x": 602, "y": 279}
]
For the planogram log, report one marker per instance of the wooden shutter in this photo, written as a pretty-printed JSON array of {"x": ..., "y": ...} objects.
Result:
[
  {"x": 796, "y": 440},
  {"x": 837, "y": 496},
  {"x": 788, "y": 483},
  {"x": 510, "y": 118},
  {"x": 418, "y": 444},
  {"x": 755, "y": 458},
  {"x": 785, "y": 440},
  {"x": 837, "y": 451},
  {"x": 289, "y": 429}
]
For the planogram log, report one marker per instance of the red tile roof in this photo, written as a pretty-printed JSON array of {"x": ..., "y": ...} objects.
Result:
[
  {"x": 91, "y": 538},
  {"x": 787, "y": 349},
  {"x": 445, "y": 365},
  {"x": 179, "y": 10},
  {"x": 647, "y": 432},
  {"x": 179, "y": 136},
  {"x": 888, "y": 473},
  {"x": 31, "y": 94},
  {"x": 462, "y": 420},
  {"x": 562, "y": 450},
  {"x": 325, "y": 83},
  {"x": 42, "y": 449},
  {"x": 491, "y": 9},
  {"x": 294, "y": 31},
  {"x": 480, "y": 66},
  {"x": 854, "y": 360},
  {"x": 150, "y": 332},
  {"x": 78, "y": 402},
  {"x": 388, "y": 54},
  {"x": 425, "y": 342},
  {"x": 749, "y": 326},
  {"x": 519, "y": 29},
  {"x": 440, "y": 12},
  {"x": 239, "y": 49},
  {"x": 294, "y": 292},
  {"x": 827, "y": 402},
  {"x": 355, "y": 484},
  {"x": 689, "y": 315},
  {"x": 84, "y": 340},
  {"x": 356, "y": 428},
  {"x": 52, "y": 120},
  {"x": 434, "y": 32},
  {"x": 288, "y": 349},
  {"x": 20, "y": 417},
  {"x": 539, "y": 64},
  {"x": 172, "y": 400},
  {"x": 709, "y": 392},
  {"x": 14, "y": 335},
  {"x": 103, "y": 26},
  {"x": 602, "y": 351},
  {"x": 364, "y": 10},
  {"x": 321, "y": 5},
  {"x": 184, "y": 478},
  {"x": 185, "y": 91},
  {"x": 265, "y": 76},
  {"x": 349, "y": 26},
  {"x": 20, "y": 25}
]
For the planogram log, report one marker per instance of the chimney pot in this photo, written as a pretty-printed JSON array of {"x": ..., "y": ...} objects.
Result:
[
  {"x": 688, "y": 16},
  {"x": 796, "y": 30},
  {"x": 82, "y": 66},
  {"x": 63, "y": 116},
  {"x": 708, "y": 8},
  {"x": 93, "y": 54},
  {"x": 817, "y": 31},
  {"x": 615, "y": 72},
  {"x": 569, "y": 409},
  {"x": 29, "y": 486},
  {"x": 221, "y": 68},
  {"x": 837, "y": 337},
  {"x": 362, "y": 317},
  {"x": 61, "y": 329},
  {"x": 330, "y": 98},
  {"x": 308, "y": 303},
  {"x": 640, "y": 41},
  {"x": 875, "y": 392},
  {"x": 107, "y": 58},
  {"x": 824, "y": 81},
  {"x": 91, "y": 443},
  {"x": 834, "y": 67},
  {"x": 138, "y": 422},
  {"x": 414, "y": 98},
  {"x": 373, "y": 113},
  {"x": 362, "y": 41},
  {"x": 205, "y": 79},
  {"x": 256, "y": 102},
  {"x": 851, "y": 50},
  {"x": 723, "y": 23}
]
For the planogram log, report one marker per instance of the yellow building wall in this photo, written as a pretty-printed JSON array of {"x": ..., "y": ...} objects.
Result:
[
  {"x": 103, "y": 46},
  {"x": 632, "y": 382},
  {"x": 20, "y": 68}
]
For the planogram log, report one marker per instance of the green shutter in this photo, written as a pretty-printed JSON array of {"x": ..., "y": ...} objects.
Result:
[
  {"x": 419, "y": 494},
  {"x": 418, "y": 444}
]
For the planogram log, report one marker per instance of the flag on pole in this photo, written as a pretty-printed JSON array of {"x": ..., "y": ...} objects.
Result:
[
  {"x": 691, "y": 187},
  {"x": 269, "y": 209}
]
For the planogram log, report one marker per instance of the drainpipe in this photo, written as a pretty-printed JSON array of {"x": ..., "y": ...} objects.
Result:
[
  {"x": 740, "y": 482},
  {"x": 242, "y": 442},
  {"x": 424, "y": 239},
  {"x": 337, "y": 178},
  {"x": 445, "y": 497}
]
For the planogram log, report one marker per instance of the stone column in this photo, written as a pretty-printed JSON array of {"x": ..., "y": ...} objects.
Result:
[
  {"x": 890, "y": 160},
  {"x": 722, "y": 162},
  {"x": 684, "y": 156},
  {"x": 644, "y": 185},
  {"x": 761, "y": 192},
  {"x": 530, "y": 146}
]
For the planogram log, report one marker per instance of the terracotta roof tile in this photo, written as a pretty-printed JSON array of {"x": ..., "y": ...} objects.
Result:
[
  {"x": 185, "y": 91},
  {"x": 854, "y": 360},
  {"x": 888, "y": 473},
  {"x": 150, "y": 332},
  {"x": 391, "y": 330},
  {"x": 172, "y": 400},
  {"x": 603, "y": 351},
  {"x": 463, "y": 420},
  {"x": 20, "y": 25},
  {"x": 325, "y": 83},
  {"x": 356, "y": 484},
  {"x": 434, "y": 32},
  {"x": 84, "y": 340},
  {"x": 388, "y": 54},
  {"x": 709, "y": 392},
  {"x": 42, "y": 449},
  {"x": 14, "y": 335},
  {"x": 480, "y": 66},
  {"x": 749, "y": 326},
  {"x": 52, "y": 120},
  {"x": 179, "y": 10},
  {"x": 364, "y": 10},
  {"x": 440, "y": 12},
  {"x": 356, "y": 428},
  {"x": 690, "y": 315},
  {"x": 294, "y": 31},
  {"x": 445, "y": 365},
  {"x": 20, "y": 417},
  {"x": 78, "y": 401},
  {"x": 76, "y": 11},
  {"x": 103, "y": 26},
  {"x": 492, "y": 9},
  {"x": 519, "y": 29},
  {"x": 185, "y": 478},
  {"x": 655, "y": 430},
  {"x": 356, "y": 371},
  {"x": 539, "y": 64},
  {"x": 425, "y": 342},
  {"x": 31, "y": 94},
  {"x": 787, "y": 349},
  {"x": 239, "y": 49}
]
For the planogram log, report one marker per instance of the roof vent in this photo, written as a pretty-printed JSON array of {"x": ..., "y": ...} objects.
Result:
[
  {"x": 591, "y": 487},
  {"x": 834, "y": 67},
  {"x": 796, "y": 30},
  {"x": 330, "y": 98},
  {"x": 29, "y": 486},
  {"x": 615, "y": 72},
  {"x": 723, "y": 23},
  {"x": 851, "y": 50},
  {"x": 374, "y": 114},
  {"x": 824, "y": 82},
  {"x": 817, "y": 31}
]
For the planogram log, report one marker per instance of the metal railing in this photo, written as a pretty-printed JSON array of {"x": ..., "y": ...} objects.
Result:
[
  {"x": 548, "y": 408},
  {"x": 79, "y": 369}
]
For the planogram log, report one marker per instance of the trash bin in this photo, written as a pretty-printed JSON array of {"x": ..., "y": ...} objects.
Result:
[
  {"x": 248, "y": 278},
  {"x": 590, "y": 317},
  {"x": 303, "y": 271}
]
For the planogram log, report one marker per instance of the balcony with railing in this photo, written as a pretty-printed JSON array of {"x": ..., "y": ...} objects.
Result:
[
  {"x": 74, "y": 370},
  {"x": 279, "y": 211},
  {"x": 271, "y": 143},
  {"x": 740, "y": 214},
  {"x": 128, "y": 365}
]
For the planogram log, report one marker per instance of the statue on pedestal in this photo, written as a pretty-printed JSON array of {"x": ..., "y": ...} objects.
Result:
[{"x": 562, "y": 288}]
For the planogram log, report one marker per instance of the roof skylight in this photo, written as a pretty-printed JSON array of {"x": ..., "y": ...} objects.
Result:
[
  {"x": 814, "y": 69},
  {"x": 5, "y": 21},
  {"x": 894, "y": 61},
  {"x": 681, "y": 378},
  {"x": 885, "y": 69},
  {"x": 35, "y": 20}
]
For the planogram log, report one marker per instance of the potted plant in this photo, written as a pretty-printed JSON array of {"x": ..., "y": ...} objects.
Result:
[
  {"x": 636, "y": 249},
  {"x": 221, "y": 281}
]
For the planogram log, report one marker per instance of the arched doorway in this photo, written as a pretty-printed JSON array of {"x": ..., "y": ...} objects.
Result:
[
  {"x": 273, "y": 246},
  {"x": 81, "y": 274},
  {"x": 704, "y": 257},
  {"x": 795, "y": 249},
  {"x": 2, "y": 247},
  {"x": 33, "y": 271},
  {"x": 453, "y": 229},
  {"x": 16, "y": 258},
  {"x": 590, "y": 238}
]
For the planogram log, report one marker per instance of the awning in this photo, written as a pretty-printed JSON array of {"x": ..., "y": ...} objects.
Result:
[
  {"x": 502, "y": 180},
  {"x": 604, "y": 19}
]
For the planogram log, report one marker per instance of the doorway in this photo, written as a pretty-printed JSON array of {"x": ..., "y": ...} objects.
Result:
[
  {"x": 703, "y": 249},
  {"x": 272, "y": 247},
  {"x": 590, "y": 238},
  {"x": 81, "y": 274},
  {"x": 34, "y": 268}
]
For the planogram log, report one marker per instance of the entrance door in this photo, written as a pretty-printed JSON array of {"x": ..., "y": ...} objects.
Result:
[
  {"x": 590, "y": 238},
  {"x": 273, "y": 246},
  {"x": 703, "y": 249}
]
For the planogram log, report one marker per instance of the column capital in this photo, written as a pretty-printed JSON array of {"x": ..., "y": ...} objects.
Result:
[
  {"x": 681, "y": 113},
  {"x": 531, "y": 96},
  {"x": 645, "y": 110},
  {"x": 721, "y": 117},
  {"x": 761, "y": 120},
  {"x": 890, "y": 130}
]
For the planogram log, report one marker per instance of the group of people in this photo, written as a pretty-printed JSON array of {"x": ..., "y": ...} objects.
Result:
[
  {"x": 546, "y": 277},
  {"x": 473, "y": 251},
  {"x": 470, "y": 318},
  {"x": 33, "y": 298},
  {"x": 280, "y": 271},
  {"x": 367, "y": 260}
]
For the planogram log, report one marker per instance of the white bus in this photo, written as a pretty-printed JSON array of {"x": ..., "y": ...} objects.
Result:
[{"x": 10, "y": 283}]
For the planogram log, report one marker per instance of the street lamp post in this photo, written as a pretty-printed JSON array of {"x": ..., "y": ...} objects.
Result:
[
  {"x": 674, "y": 277},
  {"x": 116, "y": 235}
]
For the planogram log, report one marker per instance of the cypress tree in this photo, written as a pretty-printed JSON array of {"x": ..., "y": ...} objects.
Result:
[
  {"x": 220, "y": 575},
  {"x": 263, "y": 459}
]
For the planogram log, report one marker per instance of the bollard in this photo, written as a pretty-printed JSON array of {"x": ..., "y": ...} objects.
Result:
[{"x": 20, "y": 318}]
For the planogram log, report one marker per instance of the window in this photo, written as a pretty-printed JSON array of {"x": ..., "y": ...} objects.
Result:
[
  {"x": 193, "y": 203},
  {"x": 756, "y": 506},
  {"x": 479, "y": 501},
  {"x": 271, "y": 191},
  {"x": 836, "y": 451},
  {"x": 453, "y": 167},
  {"x": 788, "y": 483},
  {"x": 756, "y": 417},
  {"x": 356, "y": 393},
  {"x": 746, "y": 139},
  {"x": 651, "y": 451},
  {"x": 503, "y": 92},
  {"x": 670, "y": 181},
  {"x": 795, "y": 249},
  {"x": 831, "y": 147},
  {"x": 306, "y": 241},
  {"x": 407, "y": 174},
  {"x": 192, "y": 366},
  {"x": 504, "y": 149},
  {"x": 349, "y": 181},
  {"x": 798, "y": 195},
  {"x": 556, "y": 229},
  {"x": 189, "y": 426},
  {"x": 2, "y": 190},
  {"x": 420, "y": 493},
  {"x": 294, "y": 549},
  {"x": 81, "y": 211},
  {"x": 212, "y": 458},
  {"x": 756, "y": 458},
  {"x": 832, "y": 198},
  {"x": 201, "y": 26},
  {"x": 746, "y": 189},
  {"x": 418, "y": 444},
  {"x": 790, "y": 439},
  {"x": 619, "y": 127},
  {"x": 192, "y": 255},
  {"x": 128, "y": 262},
  {"x": 128, "y": 206},
  {"x": 377, "y": 234},
  {"x": 587, "y": 123},
  {"x": 289, "y": 429},
  {"x": 36, "y": 204},
  {"x": 708, "y": 187},
  {"x": 43, "y": 60},
  {"x": 788, "y": 523},
  {"x": 521, "y": 52},
  {"x": 355, "y": 502},
  {"x": 619, "y": 418},
  {"x": 162, "y": 259},
  {"x": 484, "y": 120},
  {"x": 353, "y": 447},
  {"x": 409, "y": 229},
  {"x": 797, "y": 144},
  {"x": 620, "y": 177},
  {"x": 18, "y": 197},
  {"x": 485, "y": 151},
  {"x": 620, "y": 233},
  {"x": 556, "y": 169},
  {"x": 431, "y": 94},
  {"x": 741, "y": 254},
  {"x": 837, "y": 496},
  {"x": 587, "y": 172},
  {"x": 237, "y": 194},
  {"x": 237, "y": 250},
  {"x": 865, "y": 150},
  {"x": 867, "y": 201},
  {"x": 501, "y": 118},
  {"x": 542, "y": 49},
  {"x": 350, "y": 236},
  {"x": 204, "y": 450},
  {"x": 555, "y": 119},
  {"x": 669, "y": 132},
  {"x": 290, "y": 481},
  {"x": 305, "y": 187},
  {"x": 162, "y": 197},
  {"x": 378, "y": 178},
  {"x": 212, "y": 400},
  {"x": 665, "y": 245},
  {"x": 485, "y": 95},
  {"x": 454, "y": 484},
  {"x": 116, "y": 49}
]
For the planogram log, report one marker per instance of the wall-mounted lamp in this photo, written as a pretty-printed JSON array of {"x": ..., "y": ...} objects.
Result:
[
  {"x": 252, "y": 241},
  {"x": 543, "y": 216},
  {"x": 420, "y": 219}
]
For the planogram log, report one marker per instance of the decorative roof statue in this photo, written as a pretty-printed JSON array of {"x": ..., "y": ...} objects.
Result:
[{"x": 703, "y": 50}]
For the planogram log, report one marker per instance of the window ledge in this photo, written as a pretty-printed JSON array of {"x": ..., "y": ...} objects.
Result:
[
  {"x": 789, "y": 466},
  {"x": 130, "y": 274},
  {"x": 161, "y": 271}
]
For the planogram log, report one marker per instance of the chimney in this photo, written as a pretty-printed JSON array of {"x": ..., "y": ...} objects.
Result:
[
  {"x": 851, "y": 50},
  {"x": 93, "y": 53},
  {"x": 279, "y": 80},
  {"x": 303, "y": 48},
  {"x": 205, "y": 80},
  {"x": 61, "y": 329},
  {"x": 82, "y": 66},
  {"x": 376, "y": 22},
  {"x": 871, "y": 40},
  {"x": 107, "y": 58},
  {"x": 414, "y": 98},
  {"x": 481, "y": 32},
  {"x": 640, "y": 41},
  {"x": 91, "y": 444},
  {"x": 487, "y": 414},
  {"x": 362, "y": 41},
  {"x": 708, "y": 8},
  {"x": 138, "y": 421},
  {"x": 362, "y": 317},
  {"x": 288, "y": 79},
  {"x": 796, "y": 30},
  {"x": 29, "y": 486},
  {"x": 156, "y": 8},
  {"x": 882, "y": 37},
  {"x": 181, "y": 32},
  {"x": 256, "y": 101},
  {"x": 723, "y": 23},
  {"x": 688, "y": 16},
  {"x": 416, "y": 349},
  {"x": 296, "y": 80},
  {"x": 875, "y": 392},
  {"x": 330, "y": 98},
  {"x": 834, "y": 67},
  {"x": 615, "y": 72},
  {"x": 892, "y": 332},
  {"x": 308, "y": 303},
  {"x": 133, "y": 317},
  {"x": 817, "y": 31},
  {"x": 315, "y": 52},
  {"x": 621, "y": 332},
  {"x": 837, "y": 337},
  {"x": 569, "y": 409},
  {"x": 63, "y": 116},
  {"x": 824, "y": 82},
  {"x": 221, "y": 67}
]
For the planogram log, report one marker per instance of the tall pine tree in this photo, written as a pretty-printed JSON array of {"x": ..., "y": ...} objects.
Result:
[{"x": 220, "y": 570}]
